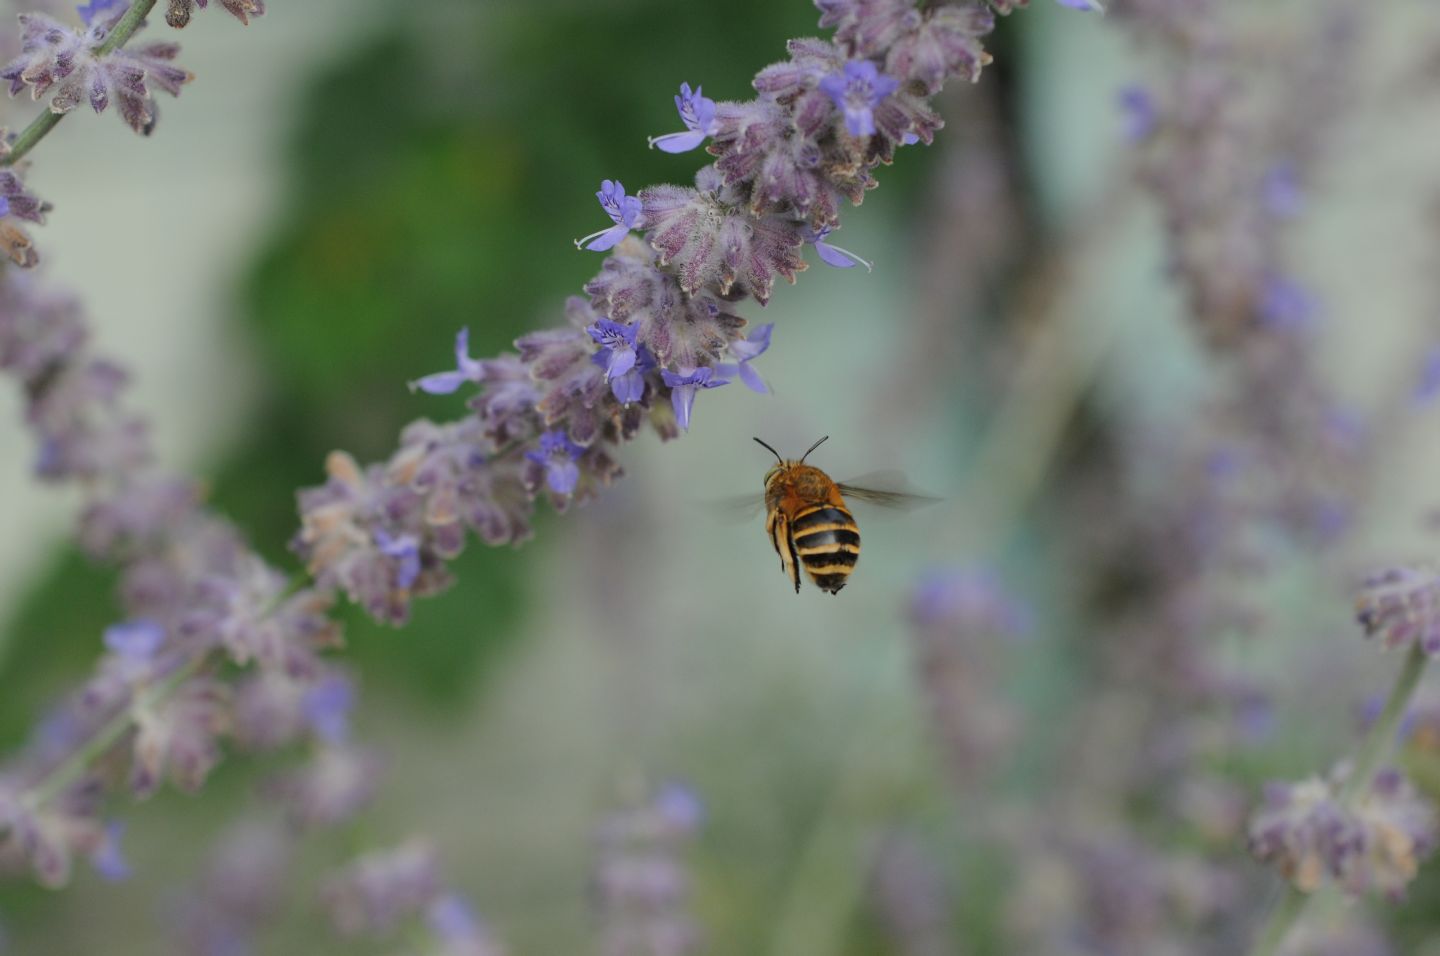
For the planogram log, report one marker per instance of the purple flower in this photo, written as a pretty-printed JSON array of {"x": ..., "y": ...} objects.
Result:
[
  {"x": 327, "y": 708},
  {"x": 1281, "y": 192},
  {"x": 466, "y": 370},
  {"x": 1429, "y": 385},
  {"x": 1286, "y": 305},
  {"x": 858, "y": 90},
  {"x": 629, "y": 385},
  {"x": 94, "y": 8},
  {"x": 624, "y": 210},
  {"x": 1137, "y": 108},
  {"x": 698, "y": 114},
  {"x": 107, "y": 859},
  {"x": 1093, "y": 5},
  {"x": 407, "y": 549},
  {"x": 558, "y": 454},
  {"x": 617, "y": 345},
  {"x": 680, "y": 806},
  {"x": 135, "y": 640},
  {"x": 834, "y": 256},
  {"x": 453, "y": 920},
  {"x": 684, "y": 384},
  {"x": 746, "y": 350}
]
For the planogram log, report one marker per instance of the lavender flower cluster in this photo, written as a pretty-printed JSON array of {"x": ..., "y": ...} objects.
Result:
[{"x": 656, "y": 327}]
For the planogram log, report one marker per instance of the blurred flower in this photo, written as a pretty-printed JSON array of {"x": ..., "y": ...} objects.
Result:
[
  {"x": 375, "y": 893},
  {"x": 135, "y": 640},
  {"x": 405, "y": 549},
  {"x": 1281, "y": 192},
  {"x": 624, "y": 210},
  {"x": 684, "y": 385},
  {"x": 747, "y": 350},
  {"x": 857, "y": 91},
  {"x": 242, "y": 887},
  {"x": 1082, "y": 5},
  {"x": 327, "y": 706},
  {"x": 466, "y": 370},
  {"x": 1429, "y": 385},
  {"x": 332, "y": 786},
  {"x": 107, "y": 859},
  {"x": 1137, "y": 107},
  {"x": 558, "y": 454},
  {"x": 1285, "y": 304},
  {"x": 697, "y": 113},
  {"x": 1402, "y": 606},
  {"x": 641, "y": 886},
  {"x": 180, "y": 736},
  {"x": 1304, "y": 830},
  {"x": 89, "y": 11}
]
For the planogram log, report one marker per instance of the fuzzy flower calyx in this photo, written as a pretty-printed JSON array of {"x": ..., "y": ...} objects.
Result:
[
  {"x": 66, "y": 59},
  {"x": 697, "y": 113},
  {"x": 623, "y": 210},
  {"x": 1401, "y": 606},
  {"x": 179, "y": 12}
]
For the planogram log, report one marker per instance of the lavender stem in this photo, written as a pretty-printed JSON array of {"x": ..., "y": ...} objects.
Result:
[
  {"x": 1372, "y": 750},
  {"x": 41, "y": 126}
]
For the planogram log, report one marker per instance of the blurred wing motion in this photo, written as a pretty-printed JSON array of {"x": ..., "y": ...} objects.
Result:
[
  {"x": 735, "y": 508},
  {"x": 887, "y": 489}
]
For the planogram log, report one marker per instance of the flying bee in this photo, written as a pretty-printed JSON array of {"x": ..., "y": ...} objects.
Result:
[{"x": 809, "y": 523}]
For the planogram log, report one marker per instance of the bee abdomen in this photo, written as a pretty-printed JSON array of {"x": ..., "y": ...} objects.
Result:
[{"x": 827, "y": 542}]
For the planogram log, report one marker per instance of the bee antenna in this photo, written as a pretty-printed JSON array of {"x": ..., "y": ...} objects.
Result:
[
  {"x": 771, "y": 450},
  {"x": 813, "y": 447}
]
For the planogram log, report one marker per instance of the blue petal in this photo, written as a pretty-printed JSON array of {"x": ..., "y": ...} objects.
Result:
[
  {"x": 609, "y": 237},
  {"x": 621, "y": 361},
  {"x": 752, "y": 379},
  {"x": 441, "y": 383},
  {"x": 562, "y": 476},
  {"x": 682, "y": 397},
  {"x": 628, "y": 388},
  {"x": 834, "y": 257},
  {"x": 679, "y": 142}
]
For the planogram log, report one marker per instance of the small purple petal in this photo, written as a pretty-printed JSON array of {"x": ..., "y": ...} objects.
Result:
[
  {"x": 452, "y": 920},
  {"x": 834, "y": 257},
  {"x": 407, "y": 549},
  {"x": 678, "y": 142},
  {"x": 628, "y": 388},
  {"x": 1141, "y": 118},
  {"x": 327, "y": 708},
  {"x": 1091, "y": 5},
  {"x": 752, "y": 379},
  {"x": 609, "y": 238},
  {"x": 1429, "y": 385},
  {"x": 107, "y": 859},
  {"x": 135, "y": 640},
  {"x": 562, "y": 476},
  {"x": 441, "y": 383},
  {"x": 754, "y": 344}
]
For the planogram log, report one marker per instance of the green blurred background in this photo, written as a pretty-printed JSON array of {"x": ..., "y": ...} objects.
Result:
[{"x": 346, "y": 199}]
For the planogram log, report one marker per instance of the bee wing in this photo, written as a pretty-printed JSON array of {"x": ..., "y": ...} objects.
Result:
[
  {"x": 888, "y": 489},
  {"x": 736, "y": 508}
]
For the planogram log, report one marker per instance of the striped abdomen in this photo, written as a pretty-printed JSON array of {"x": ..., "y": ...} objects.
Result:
[{"x": 827, "y": 544}]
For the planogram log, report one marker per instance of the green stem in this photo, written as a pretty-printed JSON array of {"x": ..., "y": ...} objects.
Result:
[
  {"x": 75, "y": 766},
  {"x": 1372, "y": 750},
  {"x": 48, "y": 120}
]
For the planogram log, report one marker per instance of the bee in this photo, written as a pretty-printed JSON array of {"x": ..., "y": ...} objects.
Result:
[{"x": 809, "y": 523}]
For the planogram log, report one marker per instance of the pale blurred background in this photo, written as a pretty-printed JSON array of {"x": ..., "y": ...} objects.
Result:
[{"x": 347, "y": 183}]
